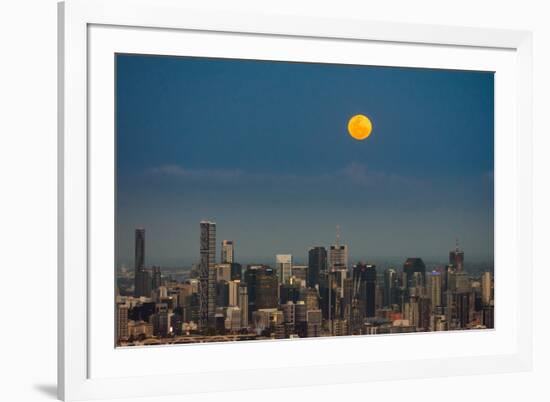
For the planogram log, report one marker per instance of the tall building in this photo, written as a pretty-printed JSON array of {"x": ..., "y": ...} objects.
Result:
[
  {"x": 338, "y": 257},
  {"x": 486, "y": 288},
  {"x": 228, "y": 252},
  {"x": 390, "y": 287},
  {"x": 223, "y": 272},
  {"x": 243, "y": 304},
  {"x": 250, "y": 279},
  {"x": 139, "y": 256},
  {"x": 233, "y": 293},
  {"x": 233, "y": 319},
  {"x": 122, "y": 322},
  {"x": 236, "y": 271},
  {"x": 156, "y": 278},
  {"x": 364, "y": 289},
  {"x": 267, "y": 289},
  {"x": 142, "y": 286},
  {"x": 435, "y": 289},
  {"x": 411, "y": 266},
  {"x": 371, "y": 290},
  {"x": 142, "y": 278},
  {"x": 317, "y": 262},
  {"x": 222, "y": 294},
  {"x": 161, "y": 320},
  {"x": 314, "y": 319},
  {"x": 456, "y": 258},
  {"x": 463, "y": 308},
  {"x": 207, "y": 284},
  {"x": 310, "y": 298},
  {"x": 283, "y": 265},
  {"x": 299, "y": 272}
]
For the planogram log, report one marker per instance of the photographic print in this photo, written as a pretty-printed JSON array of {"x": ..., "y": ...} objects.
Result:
[{"x": 260, "y": 200}]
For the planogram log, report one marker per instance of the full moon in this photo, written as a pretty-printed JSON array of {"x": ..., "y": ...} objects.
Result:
[{"x": 359, "y": 127}]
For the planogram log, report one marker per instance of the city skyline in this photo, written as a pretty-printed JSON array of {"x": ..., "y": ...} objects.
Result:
[
  {"x": 198, "y": 132},
  {"x": 229, "y": 301},
  {"x": 271, "y": 200}
]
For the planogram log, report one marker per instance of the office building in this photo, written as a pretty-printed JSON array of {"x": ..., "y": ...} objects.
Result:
[
  {"x": 228, "y": 252},
  {"x": 207, "y": 284},
  {"x": 486, "y": 288},
  {"x": 142, "y": 278},
  {"x": 223, "y": 272},
  {"x": 364, "y": 285},
  {"x": 299, "y": 273},
  {"x": 243, "y": 304},
  {"x": 283, "y": 265},
  {"x": 233, "y": 293},
  {"x": 317, "y": 263},
  {"x": 267, "y": 292},
  {"x": 338, "y": 257},
  {"x": 236, "y": 271},
  {"x": 435, "y": 289},
  {"x": 233, "y": 319},
  {"x": 156, "y": 278},
  {"x": 122, "y": 322},
  {"x": 139, "y": 250},
  {"x": 456, "y": 258},
  {"x": 411, "y": 266},
  {"x": 390, "y": 287}
]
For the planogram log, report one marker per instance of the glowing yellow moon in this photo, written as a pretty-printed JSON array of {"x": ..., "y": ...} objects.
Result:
[{"x": 359, "y": 127}]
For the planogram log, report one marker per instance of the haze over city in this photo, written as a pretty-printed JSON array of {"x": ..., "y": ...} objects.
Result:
[{"x": 262, "y": 148}]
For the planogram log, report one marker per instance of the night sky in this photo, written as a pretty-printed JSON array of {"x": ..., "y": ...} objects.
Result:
[{"x": 262, "y": 149}]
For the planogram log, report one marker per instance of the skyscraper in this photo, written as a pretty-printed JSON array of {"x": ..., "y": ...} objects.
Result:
[
  {"x": 435, "y": 289},
  {"x": 207, "y": 284},
  {"x": 364, "y": 289},
  {"x": 390, "y": 287},
  {"x": 139, "y": 256},
  {"x": 486, "y": 285},
  {"x": 411, "y": 266},
  {"x": 371, "y": 290},
  {"x": 142, "y": 278},
  {"x": 228, "y": 252},
  {"x": 266, "y": 289},
  {"x": 236, "y": 271},
  {"x": 243, "y": 304},
  {"x": 338, "y": 257},
  {"x": 122, "y": 322},
  {"x": 283, "y": 265},
  {"x": 233, "y": 289},
  {"x": 156, "y": 278},
  {"x": 317, "y": 262},
  {"x": 456, "y": 258}
]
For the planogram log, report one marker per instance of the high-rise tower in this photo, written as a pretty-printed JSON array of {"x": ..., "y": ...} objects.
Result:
[
  {"x": 435, "y": 289},
  {"x": 228, "y": 252},
  {"x": 317, "y": 263},
  {"x": 283, "y": 264},
  {"x": 456, "y": 258},
  {"x": 390, "y": 287},
  {"x": 139, "y": 256},
  {"x": 412, "y": 266},
  {"x": 338, "y": 257},
  {"x": 207, "y": 276},
  {"x": 142, "y": 278},
  {"x": 486, "y": 288}
]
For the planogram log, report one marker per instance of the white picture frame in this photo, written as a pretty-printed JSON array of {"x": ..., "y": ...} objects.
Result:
[{"x": 91, "y": 30}]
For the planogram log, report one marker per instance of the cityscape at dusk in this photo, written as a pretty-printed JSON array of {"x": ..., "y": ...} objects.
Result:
[{"x": 271, "y": 200}]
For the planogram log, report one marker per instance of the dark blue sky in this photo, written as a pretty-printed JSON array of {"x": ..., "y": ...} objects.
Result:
[{"x": 262, "y": 148}]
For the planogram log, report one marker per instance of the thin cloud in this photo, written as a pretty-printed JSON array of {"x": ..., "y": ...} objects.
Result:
[
  {"x": 356, "y": 172},
  {"x": 174, "y": 170}
]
